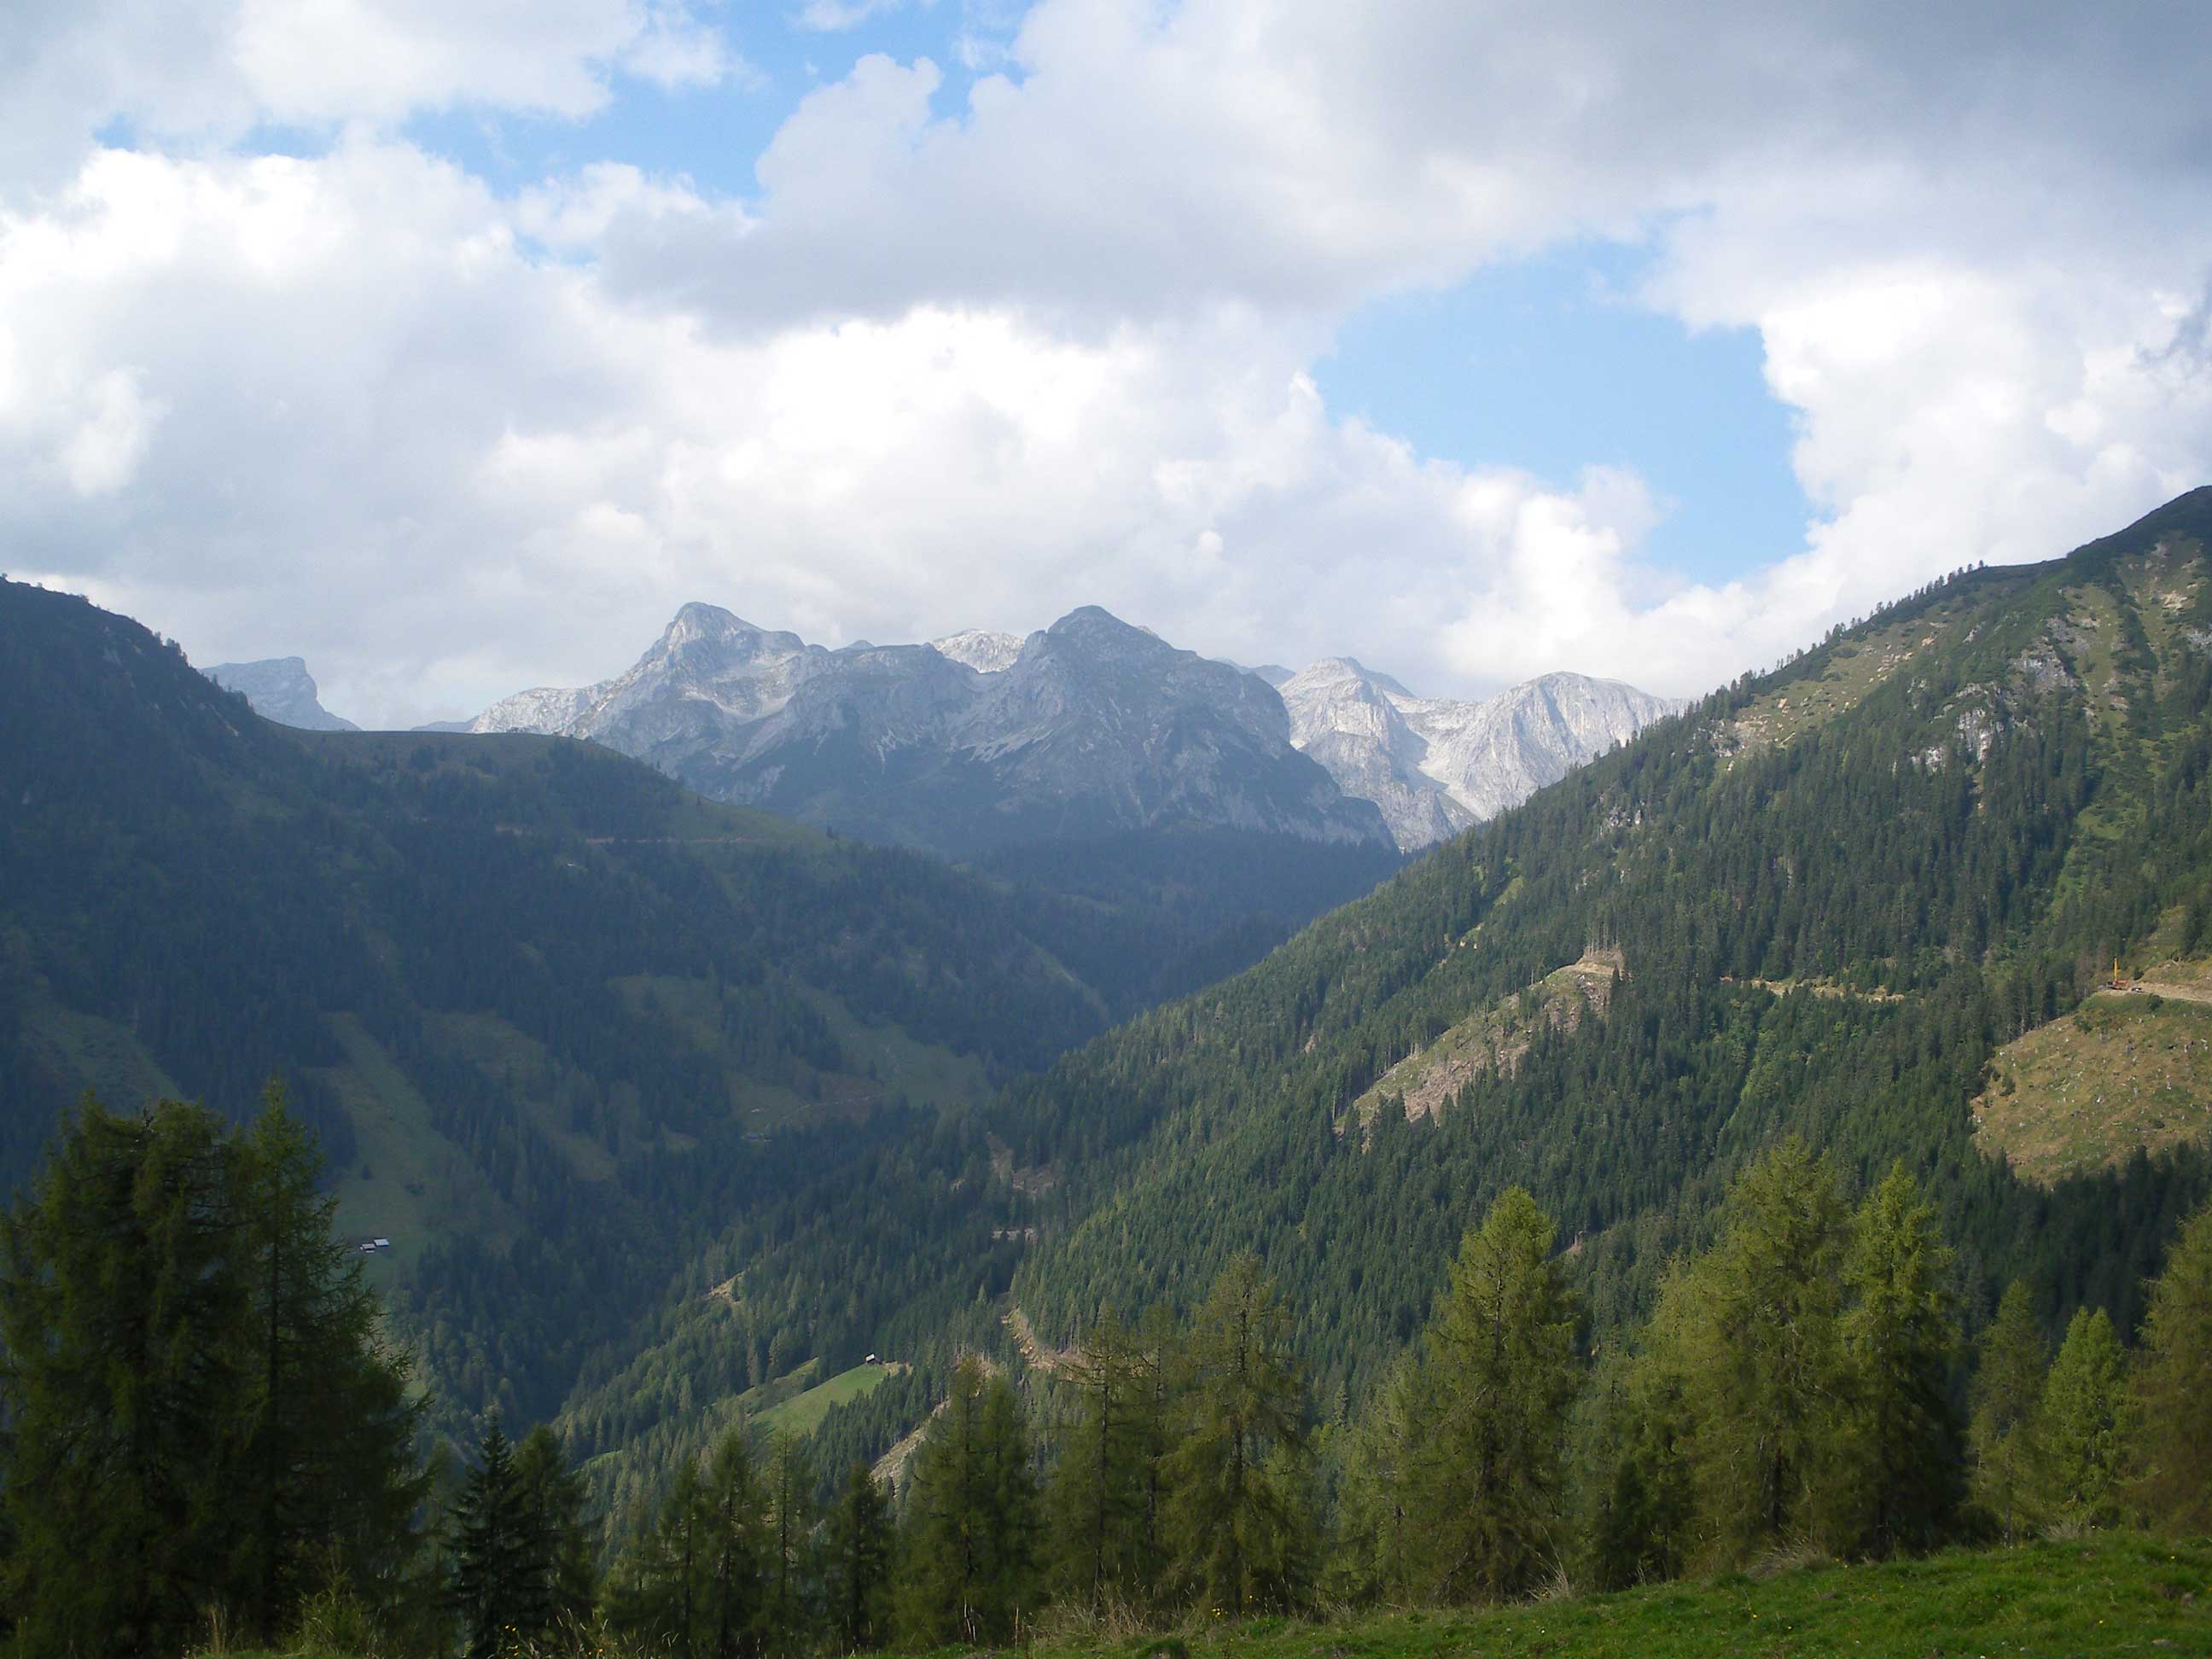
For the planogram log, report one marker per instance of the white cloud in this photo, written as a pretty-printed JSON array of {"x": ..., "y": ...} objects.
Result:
[
  {"x": 201, "y": 70},
  {"x": 969, "y": 369},
  {"x": 835, "y": 16}
]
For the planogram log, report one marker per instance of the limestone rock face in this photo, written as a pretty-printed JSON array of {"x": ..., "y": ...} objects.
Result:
[
  {"x": 1434, "y": 765},
  {"x": 1088, "y": 727},
  {"x": 281, "y": 690},
  {"x": 981, "y": 649}
]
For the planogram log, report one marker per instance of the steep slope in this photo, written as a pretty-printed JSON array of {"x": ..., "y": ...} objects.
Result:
[
  {"x": 553, "y": 1017},
  {"x": 1834, "y": 891},
  {"x": 1819, "y": 903},
  {"x": 1090, "y": 728},
  {"x": 1435, "y": 765},
  {"x": 281, "y": 690}
]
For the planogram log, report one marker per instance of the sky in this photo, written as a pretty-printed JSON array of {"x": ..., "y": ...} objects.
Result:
[{"x": 453, "y": 346}]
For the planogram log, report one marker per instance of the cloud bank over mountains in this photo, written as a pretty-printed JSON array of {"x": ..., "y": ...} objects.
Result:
[{"x": 277, "y": 377}]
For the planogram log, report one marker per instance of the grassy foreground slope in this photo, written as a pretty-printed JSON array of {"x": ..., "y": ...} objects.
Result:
[{"x": 2103, "y": 1595}]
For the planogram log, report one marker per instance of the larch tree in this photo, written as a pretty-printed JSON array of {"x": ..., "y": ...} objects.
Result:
[
  {"x": 1900, "y": 1339},
  {"x": 734, "y": 1571},
  {"x": 1238, "y": 1514},
  {"x": 857, "y": 1562},
  {"x": 968, "y": 1559},
  {"x": 121, "y": 1303},
  {"x": 661, "y": 1591},
  {"x": 1103, "y": 1547},
  {"x": 328, "y": 1480},
  {"x": 1751, "y": 1335},
  {"x": 2172, "y": 1390},
  {"x": 789, "y": 1488},
  {"x": 557, "y": 1553},
  {"x": 2084, "y": 1420},
  {"x": 1501, "y": 1375},
  {"x": 2008, "y": 1404}
]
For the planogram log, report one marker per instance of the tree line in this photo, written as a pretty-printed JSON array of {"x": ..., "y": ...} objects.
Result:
[{"x": 203, "y": 1409}]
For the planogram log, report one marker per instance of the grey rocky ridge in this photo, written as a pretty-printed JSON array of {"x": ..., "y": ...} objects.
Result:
[
  {"x": 280, "y": 688},
  {"x": 1436, "y": 765},
  {"x": 1087, "y": 728},
  {"x": 1091, "y": 727}
]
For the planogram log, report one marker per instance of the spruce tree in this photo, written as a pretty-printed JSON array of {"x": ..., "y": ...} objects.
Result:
[
  {"x": 857, "y": 1561},
  {"x": 1502, "y": 1373},
  {"x": 2007, "y": 1400},
  {"x": 2084, "y": 1420},
  {"x": 123, "y": 1308},
  {"x": 1900, "y": 1339},
  {"x": 557, "y": 1551},
  {"x": 2173, "y": 1388},
  {"x": 496, "y": 1591},
  {"x": 1238, "y": 1513},
  {"x": 327, "y": 1482}
]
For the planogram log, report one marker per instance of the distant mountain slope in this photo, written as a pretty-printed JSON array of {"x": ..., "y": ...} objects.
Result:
[
  {"x": 553, "y": 1015},
  {"x": 1090, "y": 728},
  {"x": 1435, "y": 765},
  {"x": 1833, "y": 890},
  {"x": 281, "y": 690},
  {"x": 1819, "y": 903}
]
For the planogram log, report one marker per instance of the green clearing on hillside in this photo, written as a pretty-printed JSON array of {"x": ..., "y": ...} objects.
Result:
[
  {"x": 802, "y": 1414},
  {"x": 407, "y": 1181},
  {"x": 2125, "y": 1070}
]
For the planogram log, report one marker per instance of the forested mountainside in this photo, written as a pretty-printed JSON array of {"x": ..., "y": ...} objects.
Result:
[
  {"x": 554, "y": 1019},
  {"x": 1820, "y": 902}
]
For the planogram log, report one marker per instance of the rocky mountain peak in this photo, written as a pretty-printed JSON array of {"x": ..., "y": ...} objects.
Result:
[
  {"x": 1095, "y": 629},
  {"x": 708, "y": 635},
  {"x": 1090, "y": 726},
  {"x": 1435, "y": 765},
  {"x": 280, "y": 688},
  {"x": 981, "y": 649}
]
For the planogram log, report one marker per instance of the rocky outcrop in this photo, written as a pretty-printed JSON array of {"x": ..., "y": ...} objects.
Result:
[
  {"x": 1434, "y": 765},
  {"x": 280, "y": 688},
  {"x": 1092, "y": 728}
]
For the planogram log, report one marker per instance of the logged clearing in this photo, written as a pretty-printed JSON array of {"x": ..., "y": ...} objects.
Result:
[
  {"x": 2126, "y": 1069},
  {"x": 1492, "y": 1039},
  {"x": 1853, "y": 669}
]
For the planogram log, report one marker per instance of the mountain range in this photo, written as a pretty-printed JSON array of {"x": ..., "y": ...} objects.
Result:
[
  {"x": 1863, "y": 900},
  {"x": 1091, "y": 727},
  {"x": 669, "y": 1105}
]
